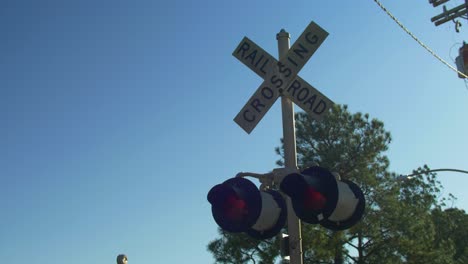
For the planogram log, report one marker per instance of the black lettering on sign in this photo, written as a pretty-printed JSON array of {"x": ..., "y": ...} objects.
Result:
[
  {"x": 310, "y": 101},
  {"x": 306, "y": 97},
  {"x": 303, "y": 94},
  {"x": 320, "y": 108},
  {"x": 292, "y": 61},
  {"x": 299, "y": 51},
  {"x": 244, "y": 47},
  {"x": 275, "y": 80},
  {"x": 257, "y": 105},
  {"x": 294, "y": 86},
  {"x": 262, "y": 69},
  {"x": 311, "y": 39},
  {"x": 246, "y": 118},
  {"x": 260, "y": 59},
  {"x": 284, "y": 69},
  {"x": 267, "y": 92},
  {"x": 251, "y": 56}
]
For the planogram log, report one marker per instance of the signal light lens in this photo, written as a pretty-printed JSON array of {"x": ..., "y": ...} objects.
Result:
[
  {"x": 314, "y": 200},
  {"x": 319, "y": 197},
  {"x": 313, "y": 192},
  {"x": 234, "y": 208},
  {"x": 238, "y": 205}
]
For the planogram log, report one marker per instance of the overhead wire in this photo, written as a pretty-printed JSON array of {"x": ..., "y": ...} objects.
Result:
[{"x": 417, "y": 39}]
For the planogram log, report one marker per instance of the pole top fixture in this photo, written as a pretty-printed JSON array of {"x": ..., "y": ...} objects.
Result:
[{"x": 282, "y": 34}]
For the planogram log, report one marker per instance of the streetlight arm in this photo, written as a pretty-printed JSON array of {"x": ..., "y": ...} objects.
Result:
[{"x": 409, "y": 176}]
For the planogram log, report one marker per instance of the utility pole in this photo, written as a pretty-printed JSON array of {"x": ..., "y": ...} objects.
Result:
[{"x": 452, "y": 14}]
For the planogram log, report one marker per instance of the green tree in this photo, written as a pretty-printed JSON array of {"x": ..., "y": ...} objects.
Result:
[
  {"x": 400, "y": 225},
  {"x": 452, "y": 227},
  {"x": 242, "y": 249}
]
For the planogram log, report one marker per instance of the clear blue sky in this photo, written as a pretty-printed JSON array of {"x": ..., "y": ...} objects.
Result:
[{"x": 117, "y": 115}]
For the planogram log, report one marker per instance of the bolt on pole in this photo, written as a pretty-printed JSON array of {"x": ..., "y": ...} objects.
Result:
[{"x": 290, "y": 158}]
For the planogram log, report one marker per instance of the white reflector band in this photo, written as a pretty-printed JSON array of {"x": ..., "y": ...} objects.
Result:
[
  {"x": 346, "y": 205},
  {"x": 269, "y": 214}
]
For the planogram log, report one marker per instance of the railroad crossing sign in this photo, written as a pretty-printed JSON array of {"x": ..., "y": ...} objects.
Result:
[{"x": 280, "y": 78}]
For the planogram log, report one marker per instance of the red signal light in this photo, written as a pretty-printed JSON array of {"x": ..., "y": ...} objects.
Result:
[
  {"x": 320, "y": 197},
  {"x": 314, "y": 200},
  {"x": 314, "y": 192},
  {"x": 238, "y": 206},
  {"x": 234, "y": 208}
]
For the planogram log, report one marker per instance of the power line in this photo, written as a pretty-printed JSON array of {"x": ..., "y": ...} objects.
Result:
[{"x": 417, "y": 40}]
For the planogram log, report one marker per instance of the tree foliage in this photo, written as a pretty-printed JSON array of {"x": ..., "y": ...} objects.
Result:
[
  {"x": 404, "y": 221},
  {"x": 242, "y": 249}
]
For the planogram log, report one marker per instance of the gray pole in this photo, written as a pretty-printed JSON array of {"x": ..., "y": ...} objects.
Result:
[{"x": 290, "y": 158}]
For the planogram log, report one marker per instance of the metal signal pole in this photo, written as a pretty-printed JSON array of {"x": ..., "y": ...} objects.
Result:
[{"x": 290, "y": 158}]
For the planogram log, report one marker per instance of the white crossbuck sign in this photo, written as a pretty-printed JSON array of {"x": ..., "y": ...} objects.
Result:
[{"x": 280, "y": 78}]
